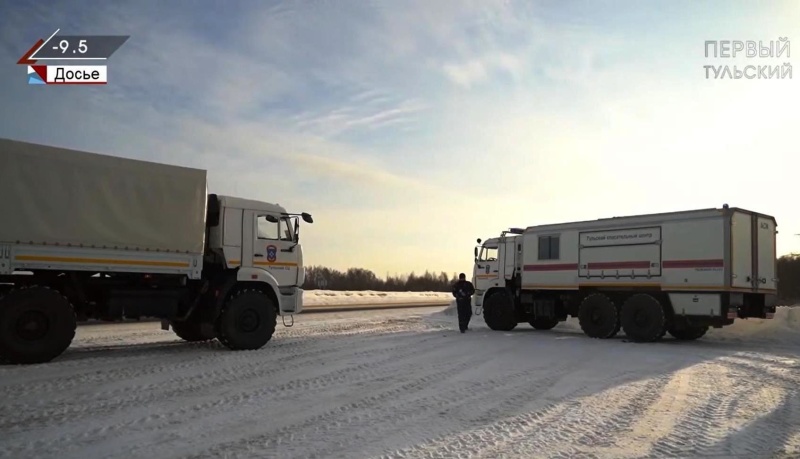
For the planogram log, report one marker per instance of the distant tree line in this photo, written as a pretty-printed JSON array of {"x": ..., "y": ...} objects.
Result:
[
  {"x": 789, "y": 279},
  {"x": 319, "y": 277}
]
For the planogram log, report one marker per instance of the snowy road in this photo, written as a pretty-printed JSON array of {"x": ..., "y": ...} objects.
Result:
[{"x": 403, "y": 383}]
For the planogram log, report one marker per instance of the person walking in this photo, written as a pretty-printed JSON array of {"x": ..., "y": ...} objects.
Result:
[{"x": 463, "y": 291}]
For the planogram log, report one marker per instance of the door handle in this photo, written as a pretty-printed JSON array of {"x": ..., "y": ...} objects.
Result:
[{"x": 258, "y": 255}]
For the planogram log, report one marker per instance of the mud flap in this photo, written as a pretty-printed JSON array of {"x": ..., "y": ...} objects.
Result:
[{"x": 165, "y": 324}]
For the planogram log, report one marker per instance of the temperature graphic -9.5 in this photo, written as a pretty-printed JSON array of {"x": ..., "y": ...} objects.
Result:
[{"x": 92, "y": 49}]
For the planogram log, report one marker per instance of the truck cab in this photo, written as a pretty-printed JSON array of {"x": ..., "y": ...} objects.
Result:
[
  {"x": 496, "y": 263},
  {"x": 261, "y": 241}
]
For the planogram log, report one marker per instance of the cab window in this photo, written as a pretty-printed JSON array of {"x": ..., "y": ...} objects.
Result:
[
  {"x": 266, "y": 229},
  {"x": 488, "y": 254},
  {"x": 287, "y": 229}
]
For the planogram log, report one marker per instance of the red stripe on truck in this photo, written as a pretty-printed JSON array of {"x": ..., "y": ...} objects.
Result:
[
  {"x": 619, "y": 265},
  {"x": 683, "y": 264},
  {"x": 667, "y": 264},
  {"x": 552, "y": 267}
]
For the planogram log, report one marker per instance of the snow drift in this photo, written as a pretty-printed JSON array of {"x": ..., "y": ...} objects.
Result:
[{"x": 313, "y": 298}]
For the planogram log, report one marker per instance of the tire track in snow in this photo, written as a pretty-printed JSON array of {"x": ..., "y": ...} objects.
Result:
[
  {"x": 658, "y": 420},
  {"x": 590, "y": 425},
  {"x": 489, "y": 406},
  {"x": 276, "y": 444},
  {"x": 716, "y": 396},
  {"x": 387, "y": 368},
  {"x": 385, "y": 388},
  {"x": 81, "y": 357},
  {"x": 768, "y": 410},
  {"x": 378, "y": 421},
  {"x": 60, "y": 382},
  {"x": 70, "y": 410},
  {"x": 786, "y": 377},
  {"x": 497, "y": 437},
  {"x": 607, "y": 419}
]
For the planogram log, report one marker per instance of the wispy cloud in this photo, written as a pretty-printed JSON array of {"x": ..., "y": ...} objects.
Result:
[{"x": 478, "y": 69}]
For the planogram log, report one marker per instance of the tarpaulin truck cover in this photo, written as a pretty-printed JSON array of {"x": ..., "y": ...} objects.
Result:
[{"x": 58, "y": 196}]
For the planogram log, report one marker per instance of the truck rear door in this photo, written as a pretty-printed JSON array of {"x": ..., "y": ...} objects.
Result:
[
  {"x": 753, "y": 252},
  {"x": 741, "y": 250},
  {"x": 766, "y": 254}
]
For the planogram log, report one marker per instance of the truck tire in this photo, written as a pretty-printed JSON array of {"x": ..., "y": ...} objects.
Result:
[
  {"x": 643, "y": 318},
  {"x": 598, "y": 316},
  {"x": 37, "y": 324},
  {"x": 247, "y": 320},
  {"x": 192, "y": 331},
  {"x": 498, "y": 312},
  {"x": 689, "y": 333},
  {"x": 544, "y": 323}
]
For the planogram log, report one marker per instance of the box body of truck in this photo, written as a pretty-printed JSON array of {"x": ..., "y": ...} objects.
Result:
[
  {"x": 77, "y": 210},
  {"x": 706, "y": 267}
]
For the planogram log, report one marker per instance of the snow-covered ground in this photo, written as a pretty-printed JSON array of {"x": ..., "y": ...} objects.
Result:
[
  {"x": 404, "y": 383},
  {"x": 320, "y": 298}
]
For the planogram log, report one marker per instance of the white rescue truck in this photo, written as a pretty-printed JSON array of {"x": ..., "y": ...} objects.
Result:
[
  {"x": 104, "y": 237},
  {"x": 678, "y": 273}
]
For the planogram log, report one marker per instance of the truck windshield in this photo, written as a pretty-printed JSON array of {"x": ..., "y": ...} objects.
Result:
[{"x": 488, "y": 254}]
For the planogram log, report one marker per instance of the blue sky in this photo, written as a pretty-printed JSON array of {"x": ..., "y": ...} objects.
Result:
[{"x": 410, "y": 128}]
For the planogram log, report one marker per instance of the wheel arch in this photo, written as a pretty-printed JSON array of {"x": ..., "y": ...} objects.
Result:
[
  {"x": 232, "y": 282},
  {"x": 256, "y": 279},
  {"x": 495, "y": 290}
]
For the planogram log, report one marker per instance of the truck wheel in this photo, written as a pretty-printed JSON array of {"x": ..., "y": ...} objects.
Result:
[
  {"x": 598, "y": 316},
  {"x": 192, "y": 331},
  {"x": 247, "y": 320},
  {"x": 37, "y": 324},
  {"x": 689, "y": 333},
  {"x": 643, "y": 318},
  {"x": 544, "y": 323},
  {"x": 498, "y": 312}
]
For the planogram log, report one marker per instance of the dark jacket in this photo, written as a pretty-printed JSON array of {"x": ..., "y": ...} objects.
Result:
[{"x": 463, "y": 289}]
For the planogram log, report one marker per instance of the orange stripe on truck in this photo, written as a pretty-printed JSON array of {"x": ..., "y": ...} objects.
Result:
[
  {"x": 102, "y": 261},
  {"x": 264, "y": 263}
]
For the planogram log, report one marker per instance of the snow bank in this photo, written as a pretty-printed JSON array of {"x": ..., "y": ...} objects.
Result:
[
  {"x": 785, "y": 327},
  {"x": 342, "y": 298}
]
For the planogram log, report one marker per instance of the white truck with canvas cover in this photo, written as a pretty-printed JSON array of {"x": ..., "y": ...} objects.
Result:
[
  {"x": 85, "y": 235},
  {"x": 678, "y": 273}
]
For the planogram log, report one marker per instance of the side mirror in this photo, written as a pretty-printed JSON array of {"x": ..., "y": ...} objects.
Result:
[
  {"x": 272, "y": 219},
  {"x": 476, "y": 253},
  {"x": 307, "y": 218}
]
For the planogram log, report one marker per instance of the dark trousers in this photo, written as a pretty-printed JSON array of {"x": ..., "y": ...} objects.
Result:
[{"x": 464, "y": 307}]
